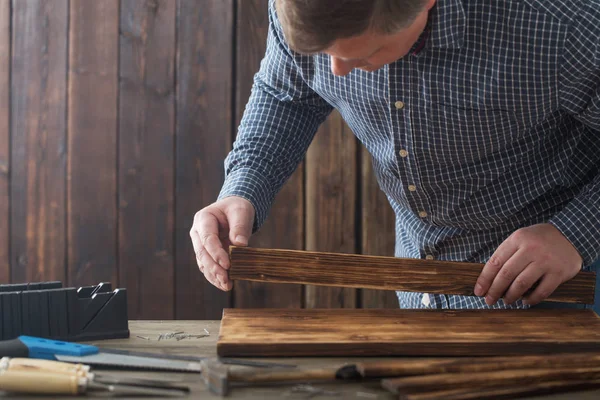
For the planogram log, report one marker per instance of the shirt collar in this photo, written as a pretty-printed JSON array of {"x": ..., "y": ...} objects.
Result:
[{"x": 446, "y": 25}]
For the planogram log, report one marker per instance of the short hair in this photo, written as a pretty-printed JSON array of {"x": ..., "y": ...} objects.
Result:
[{"x": 311, "y": 26}]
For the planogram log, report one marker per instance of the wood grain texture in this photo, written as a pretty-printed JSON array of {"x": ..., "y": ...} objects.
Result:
[
  {"x": 466, "y": 365},
  {"x": 5, "y": 62},
  {"x": 92, "y": 165},
  {"x": 481, "y": 381},
  {"x": 38, "y": 119},
  {"x": 379, "y": 272},
  {"x": 203, "y": 137},
  {"x": 146, "y": 156},
  {"x": 331, "y": 204},
  {"x": 284, "y": 227},
  {"x": 368, "y": 332},
  {"x": 511, "y": 392},
  {"x": 378, "y": 232}
]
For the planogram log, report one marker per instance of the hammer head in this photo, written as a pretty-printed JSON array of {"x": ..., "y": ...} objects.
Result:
[{"x": 215, "y": 376}]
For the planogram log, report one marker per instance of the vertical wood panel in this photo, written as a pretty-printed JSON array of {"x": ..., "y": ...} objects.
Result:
[
  {"x": 203, "y": 137},
  {"x": 38, "y": 112},
  {"x": 331, "y": 204},
  {"x": 92, "y": 216},
  {"x": 378, "y": 236},
  {"x": 4, "y": 139},
  {"x": 284, "y": 228},
  {"x": 146, "y": 164}
]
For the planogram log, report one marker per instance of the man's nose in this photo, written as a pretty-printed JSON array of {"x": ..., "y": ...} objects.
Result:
[{"x": 340, "y": 67}]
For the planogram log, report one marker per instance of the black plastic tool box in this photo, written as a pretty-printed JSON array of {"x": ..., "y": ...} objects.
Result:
[{"x": 48, "y": 310}]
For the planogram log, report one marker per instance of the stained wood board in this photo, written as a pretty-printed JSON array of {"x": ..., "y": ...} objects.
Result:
[
  {"x": 378, "y": 272},
  {"x": 386, "y": 332}
]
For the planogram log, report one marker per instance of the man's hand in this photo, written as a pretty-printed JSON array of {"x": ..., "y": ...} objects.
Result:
[
  {"x": 536, "y": 253},
  {"x": 216, "y": 227}
]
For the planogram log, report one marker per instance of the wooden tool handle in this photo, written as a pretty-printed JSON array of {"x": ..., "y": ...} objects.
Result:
[
  {"x": 510, "y": 392},
  {"x": 488, "y": 380},
  {"x": 253, "y": 376},
  {"x": 53, "y": 367},
  {"x": 40, "y": 383},
  {"x": 379, "y": 272},
  {"x": 399, "y": 368}
]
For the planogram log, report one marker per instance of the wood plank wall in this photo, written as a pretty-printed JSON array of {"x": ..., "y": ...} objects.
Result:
[{"x": 115, "y": 118}]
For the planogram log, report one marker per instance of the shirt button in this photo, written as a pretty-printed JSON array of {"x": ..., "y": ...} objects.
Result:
[
  {"x": 399, "y": 105},
  {"x": 429, "y": 257},
  {"x": 403, "y": 153},
  {"x": 422, "y": 214},
  {"x": 412, "y": 188}
]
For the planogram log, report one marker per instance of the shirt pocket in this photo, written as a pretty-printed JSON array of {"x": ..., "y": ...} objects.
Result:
[{"x": 459, "y": 135}]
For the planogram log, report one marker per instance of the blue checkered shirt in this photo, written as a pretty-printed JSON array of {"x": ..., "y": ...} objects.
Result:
[{"x": 490, "y": 124}]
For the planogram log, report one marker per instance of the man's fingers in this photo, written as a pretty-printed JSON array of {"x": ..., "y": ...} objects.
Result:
[
  {"x": 523, "y": 282},
  {"x": 241, "y": 219},
  {"x": 505, "y": 277},
  {"x": 547, "y": 286},
  {"x": 208, "y": 231},
  {"x": 494, "y": 265}
]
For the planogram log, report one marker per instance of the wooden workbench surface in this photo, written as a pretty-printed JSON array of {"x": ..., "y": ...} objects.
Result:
[{"x": 207, "y": 347}]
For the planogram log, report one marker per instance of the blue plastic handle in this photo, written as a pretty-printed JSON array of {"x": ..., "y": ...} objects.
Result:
[{"x": 46, "y": 348}]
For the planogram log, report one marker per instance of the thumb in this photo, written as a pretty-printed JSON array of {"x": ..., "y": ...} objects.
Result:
[{"x": 240, "y": 221}]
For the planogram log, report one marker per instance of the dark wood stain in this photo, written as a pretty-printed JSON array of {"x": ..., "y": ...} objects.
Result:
[
  {"x": 92, "y": 124},
  {"x": 378, "y": 231},
  {"x": 331, "y": 204},
  {"x": 203, "y": 127},
  {"x": 369, "y": 332},
  {"x": 38, "y": 81},
  {"x": 4, "y": 140},
  {"x": 146, "y": 156},
  {"x": 379, "y": 272},
  {"x": 514, "y": 379},
  {"x": 284, "y": 228}
]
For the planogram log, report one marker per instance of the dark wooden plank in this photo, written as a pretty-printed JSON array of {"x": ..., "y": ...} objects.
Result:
[
  {"x": 331, "y": 203},
  {"x": 203, "y": 137},
  {"x": 38, "y": 125},
  {"x": 532, "y": 391},
  {"x": 378, "y": 236},
  {"x": 146, "y": 157},
  {"x": 369, "y": 332},
  {"x": 92, "y": 165},
  {"x": 395, "y": 368},
  {"x": 379, "y": 272},
  {"x": 4, "y": 140},
  {"x": 513, "y": 379},
  {"x": 284, "y": 228}
]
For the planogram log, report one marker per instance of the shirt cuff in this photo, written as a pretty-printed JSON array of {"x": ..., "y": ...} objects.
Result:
[
  {"x": 252, "y": 186},
  {"x": 579, "y": 222}
]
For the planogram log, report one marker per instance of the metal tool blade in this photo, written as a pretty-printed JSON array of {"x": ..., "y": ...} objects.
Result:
[{"x": 133, "y": 362}]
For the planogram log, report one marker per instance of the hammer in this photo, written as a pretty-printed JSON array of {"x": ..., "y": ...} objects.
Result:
[{"x": 218, "y": 377}]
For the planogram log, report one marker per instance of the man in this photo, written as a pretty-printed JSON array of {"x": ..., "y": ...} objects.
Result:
[{"x": 483, "y": 119}]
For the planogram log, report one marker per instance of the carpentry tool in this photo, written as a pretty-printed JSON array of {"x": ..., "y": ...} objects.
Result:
[
  {"x": 34, "y": 376},
  {"x": 218, "y": 378},
  {"x": 32, "y": 347},
  {"x": 224, "y": 360}
]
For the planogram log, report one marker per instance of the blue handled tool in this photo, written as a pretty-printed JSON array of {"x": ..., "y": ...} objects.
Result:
[{"x": 34, "y": 347}]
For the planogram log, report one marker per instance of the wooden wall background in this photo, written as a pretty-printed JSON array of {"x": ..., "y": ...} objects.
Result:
[{"x": 115, "y": 118}]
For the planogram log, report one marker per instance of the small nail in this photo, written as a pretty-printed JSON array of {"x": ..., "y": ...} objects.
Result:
[
  {"x": 478, "y": 290},
  {"x": 489, "y": 301},
  {"x": 243, "y": 240}
]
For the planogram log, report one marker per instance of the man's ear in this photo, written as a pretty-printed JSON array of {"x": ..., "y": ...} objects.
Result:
[{"x": 430, "y": 4}]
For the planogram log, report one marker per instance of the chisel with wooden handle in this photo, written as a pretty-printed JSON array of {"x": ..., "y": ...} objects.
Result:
[{"x": 378, "y": 272}]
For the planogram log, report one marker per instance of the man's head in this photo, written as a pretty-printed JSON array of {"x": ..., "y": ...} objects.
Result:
[{"x": 364, "y": 34}]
